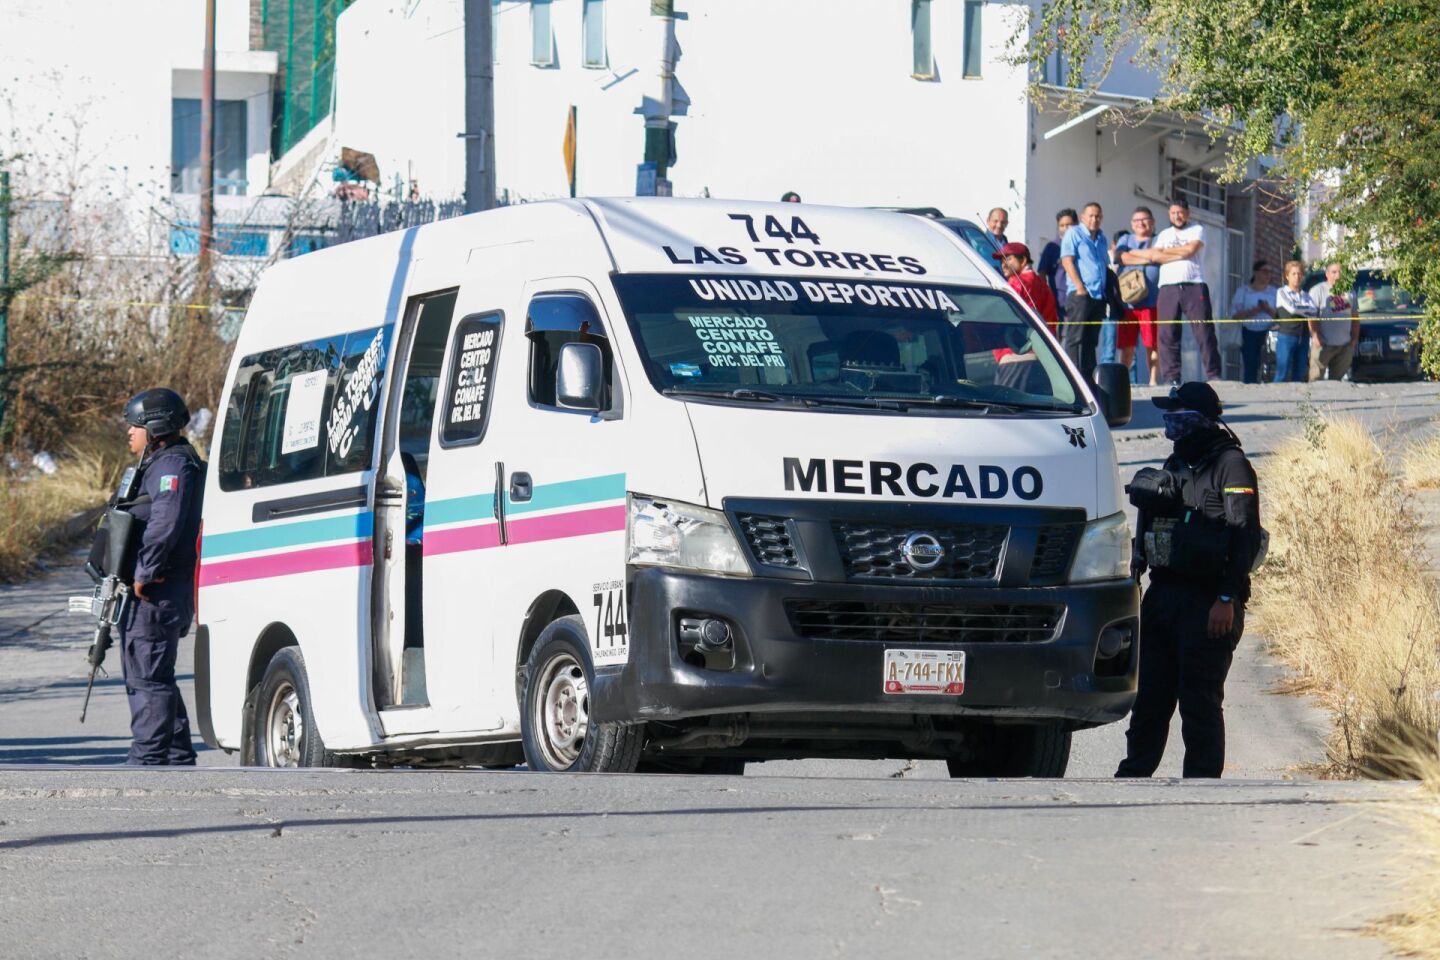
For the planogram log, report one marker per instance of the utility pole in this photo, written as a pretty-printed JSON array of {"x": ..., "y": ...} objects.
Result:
[
  {"x": 207, "y": 155},
  {"x": 479, "y": 135},
  {"x": 4, "y": 283}
]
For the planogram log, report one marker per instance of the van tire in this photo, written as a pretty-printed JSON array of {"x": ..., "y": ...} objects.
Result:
[
  {"x": 1026, "y": 750},
  {"x": 283, "y": 732},
  {"x": 554, "y": 721}
]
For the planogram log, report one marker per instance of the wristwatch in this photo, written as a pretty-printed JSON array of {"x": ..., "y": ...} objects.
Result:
[{"x": 1224, "y": 599}]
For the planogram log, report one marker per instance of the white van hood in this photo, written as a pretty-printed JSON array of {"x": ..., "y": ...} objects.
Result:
[{"x": 1042, "y": 462}]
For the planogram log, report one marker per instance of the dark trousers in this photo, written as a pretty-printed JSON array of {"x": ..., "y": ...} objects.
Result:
[
  {"x": 1188, "y": 301},
  {"x": 1081, "y": 333},
  {"x": 1180, "y": 664},
  {"x": 1252, "y": 349},
  {"x": 149, "y": 642}
]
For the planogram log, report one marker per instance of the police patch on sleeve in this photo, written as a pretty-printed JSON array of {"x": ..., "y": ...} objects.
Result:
[{"x": 169, "y": 482}]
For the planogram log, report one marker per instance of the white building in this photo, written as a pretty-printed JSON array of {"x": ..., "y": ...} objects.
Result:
[
  {"x": 101, "y": 103},
  {"x": 857, "y": 102}
]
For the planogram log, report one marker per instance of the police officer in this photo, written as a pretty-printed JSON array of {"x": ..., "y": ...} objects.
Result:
[
  {"x": 1199, "y": 535},
  {"x": 162, "y": 601}
]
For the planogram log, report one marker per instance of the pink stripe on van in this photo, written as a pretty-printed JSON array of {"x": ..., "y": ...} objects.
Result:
[
  {"x": 457, "y": 539},
  {"x": 559, "y": 525},
  {"x": 358, "y": 554}
]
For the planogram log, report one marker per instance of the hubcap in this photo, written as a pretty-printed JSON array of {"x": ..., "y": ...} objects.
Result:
[
  {"x": 284, "y": 729},
  {"x": 562, "y": 711}
]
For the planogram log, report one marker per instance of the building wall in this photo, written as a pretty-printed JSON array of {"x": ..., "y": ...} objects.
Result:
[{"x": 836, "y": 117}]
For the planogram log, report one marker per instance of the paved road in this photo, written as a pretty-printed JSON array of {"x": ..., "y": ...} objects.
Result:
[{"x": 808, "y": 857}]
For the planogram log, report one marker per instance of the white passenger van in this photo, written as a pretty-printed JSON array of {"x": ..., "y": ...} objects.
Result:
[{"x": 660, "y": 483}]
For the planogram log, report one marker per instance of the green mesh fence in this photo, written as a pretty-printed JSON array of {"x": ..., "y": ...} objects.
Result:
[{"x": 302, "y": 32}]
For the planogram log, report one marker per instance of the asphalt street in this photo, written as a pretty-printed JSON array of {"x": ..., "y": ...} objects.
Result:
[{"x": 807, "y": 858}]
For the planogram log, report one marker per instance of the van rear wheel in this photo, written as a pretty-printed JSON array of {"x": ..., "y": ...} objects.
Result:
[{"x": 555, "y": 725}]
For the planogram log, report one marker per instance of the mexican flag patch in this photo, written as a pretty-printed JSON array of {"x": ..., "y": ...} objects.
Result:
[{"x": 169, "y": 482}]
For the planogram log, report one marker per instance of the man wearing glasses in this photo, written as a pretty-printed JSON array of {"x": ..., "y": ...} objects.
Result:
[{"x": 1139, "y": 323}]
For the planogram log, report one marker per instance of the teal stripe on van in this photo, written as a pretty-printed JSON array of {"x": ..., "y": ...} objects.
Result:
[
  {"x": 280, "y": 536},
  {"x": 547, "y": 496},
  {"x": 570, "y": 493}
]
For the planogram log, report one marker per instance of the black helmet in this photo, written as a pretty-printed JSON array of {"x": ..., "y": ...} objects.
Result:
[{"x": 160, "y": 411}]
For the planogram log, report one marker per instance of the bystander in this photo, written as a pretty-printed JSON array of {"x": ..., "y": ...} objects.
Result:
[
  {"x": 1140, "y": 313},
  {"x": 1184, "y": 294},
  {"x": 1293, "y": 311},
  {"x": 1254, "y": 306},
  {"x": 1015, "y": 261},
  {"x": 1336, "y": 329},
  {"x": 1085, "y": 255},
  {"x": 1049, "y": 266}
]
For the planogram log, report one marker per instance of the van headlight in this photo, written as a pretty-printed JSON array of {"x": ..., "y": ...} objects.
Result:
[
  {"x": 1104, "y": 552},
  {"x": 667, "y": 533}
]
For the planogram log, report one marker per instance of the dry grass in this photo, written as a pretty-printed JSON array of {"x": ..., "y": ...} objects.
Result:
[
  {"x": 1345, "y": 598},
  {"x": 1421, "y": 465},
  {"x": 1416, "y": 931},
  {"x": 33, "y": 504}
]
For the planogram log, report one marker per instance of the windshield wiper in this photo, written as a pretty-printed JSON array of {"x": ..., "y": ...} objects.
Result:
[
  {"x": 950, "y": 400},
  {"x": 741, "y": 393}
]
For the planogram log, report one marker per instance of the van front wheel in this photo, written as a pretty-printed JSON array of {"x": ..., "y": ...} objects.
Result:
[
  {"x": 555, "y": 725},
  {"x": 282, "y": 729}
]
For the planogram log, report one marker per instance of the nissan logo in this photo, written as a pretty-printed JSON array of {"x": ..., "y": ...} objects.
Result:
[{"x": 923, "y": 551}]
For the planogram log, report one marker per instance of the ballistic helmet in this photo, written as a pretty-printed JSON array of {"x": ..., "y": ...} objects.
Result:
[{"x": 160, "y": 411}]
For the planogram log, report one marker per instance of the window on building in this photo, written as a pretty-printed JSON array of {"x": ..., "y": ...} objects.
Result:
[
  {"x": 553, "y": 321},
  {"x": 924, "y": 61},
  {"x": 593, "y": 28},
  {"x": 542, "y": 41},
  {"x": 300, "y": 412},
  {"x": 231, "y": 148},
  {"x": 974, "y": 42},
  {"x": 1201, "y": 187}
]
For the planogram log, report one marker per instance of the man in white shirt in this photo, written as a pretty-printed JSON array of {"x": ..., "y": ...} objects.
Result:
[
  {"x": 1184, "y": 293},
  {"x": 1336, "y": 330}
]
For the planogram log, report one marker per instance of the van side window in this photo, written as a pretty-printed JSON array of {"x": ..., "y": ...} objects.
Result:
[
  {"x": 303, "y": 411},
  {"x": 552, "y": 321},
  {"x": 472, "y": 375}
]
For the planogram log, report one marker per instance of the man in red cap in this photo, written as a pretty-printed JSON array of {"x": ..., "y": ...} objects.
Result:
[{"x": 1033, "y": 289}]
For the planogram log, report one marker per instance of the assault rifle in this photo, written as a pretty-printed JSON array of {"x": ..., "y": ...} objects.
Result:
[{"x": 111, "y": 565}]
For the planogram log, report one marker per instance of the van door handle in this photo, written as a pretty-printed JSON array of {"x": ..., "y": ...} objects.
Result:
[{"x": 521, "y": 489}]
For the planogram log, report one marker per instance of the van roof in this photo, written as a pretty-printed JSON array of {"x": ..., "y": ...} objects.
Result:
[{"x": 674, "y": 235}]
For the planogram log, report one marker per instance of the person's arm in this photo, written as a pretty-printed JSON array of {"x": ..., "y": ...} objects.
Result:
[
  {"x": 1354, "y": 331},
  {"x": 173, "y": 485},
  {"x": 1239, "y": 493},
  {"x": 1069, "y": 250}
]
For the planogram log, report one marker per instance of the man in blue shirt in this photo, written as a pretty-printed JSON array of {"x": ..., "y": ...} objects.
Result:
[{"x": 1085, "y": 255}]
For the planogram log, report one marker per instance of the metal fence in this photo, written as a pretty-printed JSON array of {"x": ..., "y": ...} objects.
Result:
[{"x": 361, "y": 219}]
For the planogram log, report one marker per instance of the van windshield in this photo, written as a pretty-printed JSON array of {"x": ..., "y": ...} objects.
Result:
[{"x": 890, "y": 345}]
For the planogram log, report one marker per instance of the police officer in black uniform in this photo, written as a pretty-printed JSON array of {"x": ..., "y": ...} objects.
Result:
[
  {"x": 162, "y": 601},
  {"x": 1199, "y": 535}
]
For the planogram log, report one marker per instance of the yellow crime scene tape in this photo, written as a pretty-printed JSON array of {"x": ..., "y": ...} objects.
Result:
[{"x": 127, "y": 303}]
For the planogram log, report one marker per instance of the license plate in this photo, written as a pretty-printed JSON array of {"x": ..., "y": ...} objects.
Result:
[
  {"x": 925, "y": 671},
  {"x": 1370, "y": 348}
]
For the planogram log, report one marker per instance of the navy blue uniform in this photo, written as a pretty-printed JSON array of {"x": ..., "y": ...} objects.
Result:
[{"x": 150, "y": 632}]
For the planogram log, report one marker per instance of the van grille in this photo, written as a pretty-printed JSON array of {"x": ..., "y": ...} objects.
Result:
[
  {"x": 1054, "y": 549},
  {"x": 925, "y": 623},
  {"x": 871, "y": 551},
  {"x": 769, "y": 539}
]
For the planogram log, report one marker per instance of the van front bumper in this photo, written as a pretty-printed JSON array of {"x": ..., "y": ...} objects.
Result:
[{"x": 778, "y": 670}]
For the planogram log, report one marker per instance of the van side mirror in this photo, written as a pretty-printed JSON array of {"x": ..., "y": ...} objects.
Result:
[
  {"x": 580, "y": 377},
  {"x": 1112, "y": 389}
]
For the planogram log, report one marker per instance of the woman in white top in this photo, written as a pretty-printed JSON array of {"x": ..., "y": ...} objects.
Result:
[
  {"x": 1293, "y": 308},
  {"x": 1254, "y": 303}
]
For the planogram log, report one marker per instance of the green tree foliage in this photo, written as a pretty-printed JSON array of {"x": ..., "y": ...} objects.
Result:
[{"x": 1342, "y": 95}]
